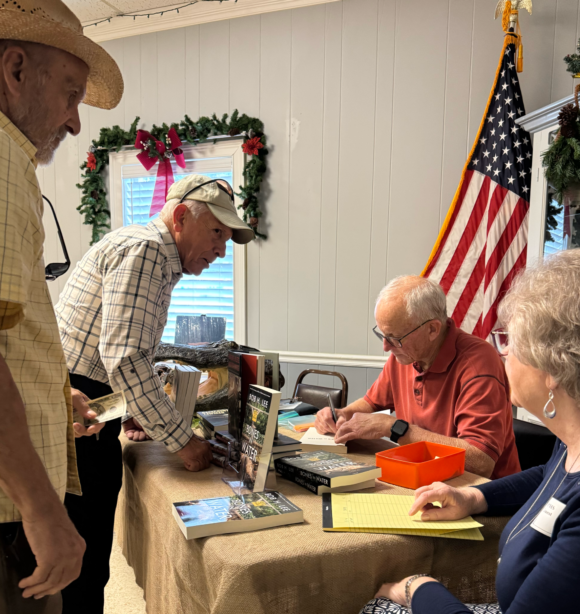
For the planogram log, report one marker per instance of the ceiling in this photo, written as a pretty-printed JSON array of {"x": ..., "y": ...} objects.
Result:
[{"x": 92, "y": 10}]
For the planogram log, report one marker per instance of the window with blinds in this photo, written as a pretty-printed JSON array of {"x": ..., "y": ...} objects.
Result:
[{"x": 212, "y": 292}]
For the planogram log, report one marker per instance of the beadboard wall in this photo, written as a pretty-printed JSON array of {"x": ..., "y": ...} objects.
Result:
[{"x": 370, "y": 108}]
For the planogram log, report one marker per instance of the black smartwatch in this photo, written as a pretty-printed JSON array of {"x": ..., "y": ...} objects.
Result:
[{"x": 398, "y": 430}]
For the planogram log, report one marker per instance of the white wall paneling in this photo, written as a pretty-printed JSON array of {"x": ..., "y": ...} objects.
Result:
[{"x": 369, "y": 107}]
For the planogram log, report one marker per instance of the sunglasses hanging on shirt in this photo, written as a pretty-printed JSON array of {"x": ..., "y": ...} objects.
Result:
[{"x": 56, "y": 269}]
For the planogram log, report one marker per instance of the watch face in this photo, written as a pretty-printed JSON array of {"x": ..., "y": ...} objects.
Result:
[{"x": 399, "y": 428}]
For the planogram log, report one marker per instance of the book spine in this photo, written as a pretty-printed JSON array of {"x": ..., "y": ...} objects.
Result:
[{"x": 307, "y": 479}]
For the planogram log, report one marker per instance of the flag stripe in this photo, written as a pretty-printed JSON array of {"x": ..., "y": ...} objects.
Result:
[
  {"x": 477, "y": 213},
  {"x": 439, "y": 254}
]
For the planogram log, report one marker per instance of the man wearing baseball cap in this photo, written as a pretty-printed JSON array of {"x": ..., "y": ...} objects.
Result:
[
  {"x": 47, "y": 68},
  {"x": 111, "y": 316}
]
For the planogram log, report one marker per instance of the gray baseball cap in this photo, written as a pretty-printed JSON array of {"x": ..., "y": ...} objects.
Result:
[{"x": 219, "y": 199}]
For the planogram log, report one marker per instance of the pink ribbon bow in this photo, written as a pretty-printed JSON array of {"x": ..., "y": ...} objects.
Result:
[{"x": 164, "y": 178}]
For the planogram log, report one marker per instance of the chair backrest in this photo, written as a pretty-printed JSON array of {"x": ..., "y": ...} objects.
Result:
[
  {"x": 199, "y": 329},
  {"x": 318, "y": 395}
]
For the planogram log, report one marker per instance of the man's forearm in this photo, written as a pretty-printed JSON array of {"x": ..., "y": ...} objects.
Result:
[
  {"x": 360, "y": 405},
  {"x": 476, "y": 461},
  {"x": 22, "y": 474}
]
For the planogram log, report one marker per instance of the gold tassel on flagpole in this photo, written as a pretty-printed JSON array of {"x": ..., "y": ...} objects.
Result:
[{"x": 510, "y": 20}]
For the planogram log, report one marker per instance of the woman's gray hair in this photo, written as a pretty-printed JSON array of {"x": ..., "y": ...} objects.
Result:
[
  {"x": 542, "y": 314},
  {"x": 424, "y": 299},
  {"x": 196, "y": 207}
]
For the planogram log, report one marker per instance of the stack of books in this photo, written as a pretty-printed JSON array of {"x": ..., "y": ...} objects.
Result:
[
  {"x": 184, "y": 390},
  {"x": 213, "y": 421}
]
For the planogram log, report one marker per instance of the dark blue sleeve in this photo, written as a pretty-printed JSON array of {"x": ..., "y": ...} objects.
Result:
[
  {"x": 433, "y": 597},
  {"x": 505, "y": 496}
]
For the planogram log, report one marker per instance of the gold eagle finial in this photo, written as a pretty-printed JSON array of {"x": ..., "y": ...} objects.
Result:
[{"x": 516, "y": 6}]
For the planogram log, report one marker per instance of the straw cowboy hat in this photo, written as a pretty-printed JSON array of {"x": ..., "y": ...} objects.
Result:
[{"x": 51, "y": 23}]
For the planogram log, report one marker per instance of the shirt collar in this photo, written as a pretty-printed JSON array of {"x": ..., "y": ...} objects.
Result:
[
  {"x": 12, "y": 131},
  {"x": 170, "y": 245},
  {"x": 448, "y": 350}
]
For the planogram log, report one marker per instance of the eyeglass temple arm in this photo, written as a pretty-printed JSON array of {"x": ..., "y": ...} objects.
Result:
[{"x": 62, "y": 243}]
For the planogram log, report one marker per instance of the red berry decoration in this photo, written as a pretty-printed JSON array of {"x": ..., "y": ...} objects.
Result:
[
  {"x": 252, "y": 146},
  {"x": 91, "y": 161}
]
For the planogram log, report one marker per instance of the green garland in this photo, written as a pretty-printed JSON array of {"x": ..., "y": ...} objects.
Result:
[
  {"x": 562, "y": 163},
  {"x": 94, "y": 204}
]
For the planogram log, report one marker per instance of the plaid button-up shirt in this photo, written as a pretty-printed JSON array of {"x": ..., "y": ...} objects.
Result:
[
  {"x": 111, "y": 316},
  {"x": 29, "y": 339}
]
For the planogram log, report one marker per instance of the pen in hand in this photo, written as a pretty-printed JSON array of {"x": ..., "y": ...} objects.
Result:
[{"x": 333, "y": 411}]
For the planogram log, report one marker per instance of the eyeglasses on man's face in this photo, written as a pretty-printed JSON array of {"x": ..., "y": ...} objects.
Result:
[
  {"x": 396, "y": 342},
  {"x": 500, "y": 339},
  {"x": 56, "y": 269}
]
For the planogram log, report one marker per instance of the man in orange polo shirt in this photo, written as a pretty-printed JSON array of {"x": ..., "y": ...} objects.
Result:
[{"x": 445, "y": 385}]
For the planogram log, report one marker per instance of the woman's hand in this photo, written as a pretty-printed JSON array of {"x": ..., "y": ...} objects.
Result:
[
  {"x": 395, "y": 591},
  {"x": 456, "y": 503}
]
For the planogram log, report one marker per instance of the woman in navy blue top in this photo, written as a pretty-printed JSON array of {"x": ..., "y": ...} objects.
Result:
[{"x": 539, "y": 553}]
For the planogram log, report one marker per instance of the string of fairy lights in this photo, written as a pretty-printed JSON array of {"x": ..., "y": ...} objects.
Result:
[{"x": 150, "y": 13}]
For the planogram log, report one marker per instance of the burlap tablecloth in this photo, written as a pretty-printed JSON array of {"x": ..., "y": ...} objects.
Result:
[{"x": 296, "y": 569}]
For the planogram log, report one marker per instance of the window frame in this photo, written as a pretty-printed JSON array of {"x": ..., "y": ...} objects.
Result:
[{"x": 218, "y": 147}]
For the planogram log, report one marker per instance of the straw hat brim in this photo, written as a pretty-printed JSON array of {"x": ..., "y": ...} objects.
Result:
[{"x": 104, "y": 83}]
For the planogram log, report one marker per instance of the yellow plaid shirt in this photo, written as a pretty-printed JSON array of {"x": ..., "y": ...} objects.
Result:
[{"x": 29, "y": 338}]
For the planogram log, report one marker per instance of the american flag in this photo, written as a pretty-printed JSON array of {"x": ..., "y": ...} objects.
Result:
[{"x": 482, "y": 244}]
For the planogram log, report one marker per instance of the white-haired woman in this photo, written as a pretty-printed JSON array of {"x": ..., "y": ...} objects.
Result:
[{"x": 540, "y": 546}]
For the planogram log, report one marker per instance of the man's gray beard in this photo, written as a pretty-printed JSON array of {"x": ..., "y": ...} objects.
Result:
[{"x": 29, "y": 119}]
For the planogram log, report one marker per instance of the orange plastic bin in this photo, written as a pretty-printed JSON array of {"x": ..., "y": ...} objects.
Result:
[{"x": 419, "y": 464}]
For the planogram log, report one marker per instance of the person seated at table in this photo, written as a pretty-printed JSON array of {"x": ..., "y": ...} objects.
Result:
[
  {"x": 111, "y": 315},
  {"x": 540, "y": 546},
  {"x": 445, "y": 385}
]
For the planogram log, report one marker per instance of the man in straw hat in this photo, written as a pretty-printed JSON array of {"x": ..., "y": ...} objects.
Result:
[
  {"x": 47, "y": 67},
  {"x": 111, "y": 316}
]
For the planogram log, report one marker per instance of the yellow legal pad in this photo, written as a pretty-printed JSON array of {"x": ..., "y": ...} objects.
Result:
[{"x": 374, "y": 513}]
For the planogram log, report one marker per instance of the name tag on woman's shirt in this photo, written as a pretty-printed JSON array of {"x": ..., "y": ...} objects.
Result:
[{"x": 546, "y": 519}]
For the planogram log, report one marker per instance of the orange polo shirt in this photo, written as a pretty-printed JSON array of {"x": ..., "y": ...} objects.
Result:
[{"x": 465, "y": 394}]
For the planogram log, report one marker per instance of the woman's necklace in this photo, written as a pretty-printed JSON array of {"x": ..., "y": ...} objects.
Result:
[{"x": 511, "y": 535}]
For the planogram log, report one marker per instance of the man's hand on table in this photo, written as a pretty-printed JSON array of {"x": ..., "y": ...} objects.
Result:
[
  {"x": 134, "y": 431},
  {"x": 196, "y": 455},
  {"x": 364, "y": 426},
  {"x": 456, "y": 503},
  {"x": 80, "y": 405}
]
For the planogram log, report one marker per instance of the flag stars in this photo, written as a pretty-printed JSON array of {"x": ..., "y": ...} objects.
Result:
[
  {"x": 504, "y": 86},
  {"x": 508, "y": 164},
  {"x": 511, "y": 114},
  {"x": 517, "y": 144},
  {"x": 495, "y": 172},
  {"x": 502, "y": 136},
  {"x": 514, "y": 129},
  {"x": 517, "y": 96},
  {"x": 494, "y": 145},
  {"x": 526, "y": 140},
  {"x": 520, "y": 111},
  {"x": 510, "y": 180},
  {"x": 488, "y": 168},
  {"x": 486, "y": 154},
  {"x": 503, "y": 73},
  {"x": 490, "y": 118},
  {"x": 498, "y": 110},
  {"x": 528, "y": 155},
  {"x": 522, "y": 174},
  {"x": 500, "y": 123},
  {"x": 492, "y": 132},
  {"x": 508, "y": 101},
  {"x": 495, "y": 158},
  {"x": 520, "y": 159},
  {"x": 506, "y": 151},
  {"x": 482, "y": 140},
  {"x": 525, "y": 189},
  {"x": 497, "y": 96},
  {"x": 510, "y": 65}
]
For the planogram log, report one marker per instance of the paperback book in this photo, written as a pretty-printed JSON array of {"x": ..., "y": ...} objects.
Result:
[
  {"x": 235, "y": 514},
  {"x": 184, "y": 390},
  {"x": 258, "y": 436},
  {"x": 214, "y": 420},
  {"x": 322, "y": 472},
  {"x": 235, "y": 422}
]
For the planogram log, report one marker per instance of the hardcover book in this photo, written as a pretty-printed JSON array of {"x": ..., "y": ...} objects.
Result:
[
  {"x": 258, "y": 436},
  {"x": 235, "y": 422},
  {"x": 236, "y": 514},
  {"x": 313, "y": 470},
  {"x": 283, "y": 443}
]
